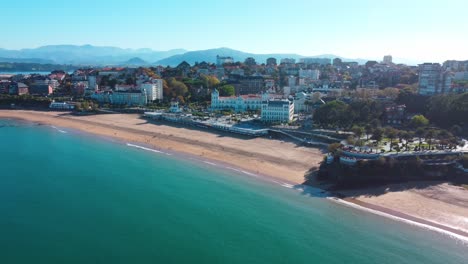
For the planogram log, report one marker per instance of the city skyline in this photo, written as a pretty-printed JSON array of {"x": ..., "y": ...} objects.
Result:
[{"x": 416, "y": 30}]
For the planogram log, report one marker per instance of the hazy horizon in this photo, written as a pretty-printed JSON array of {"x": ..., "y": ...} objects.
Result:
[{"x": 417, "y": 30}]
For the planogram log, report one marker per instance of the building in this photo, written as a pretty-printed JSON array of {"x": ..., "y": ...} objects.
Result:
[
  {"x": 18, "y": 88},
  {"x": 130, "y": 98},
  {"x": 62, "y": 106},
  {"x": 154, "y": 89},
  {"x": 40, "y": 89},
  {"x": 248, "y": 84},
  {"x": 387, "y": 59},
  {"x": 337, "y": 62},
  {"x": 220, "y": 60},
  {"x": 288, "y": 61},
  {"x": 433, "y": 79},
  {"x": 271, "y": 62},
  {"x": 292, "y": 81},
  {"x": 277, "y": 110},
  {"x": 241, "y": 103},
  {"x": 309, "y": 74},
  {"x": 321, "y": 61},
  {"x": 174, "y": 107},
  {"x": 395, "y": 115},
  {"x": 301, "y": 102},
  {"x": 461, "y": 76}
]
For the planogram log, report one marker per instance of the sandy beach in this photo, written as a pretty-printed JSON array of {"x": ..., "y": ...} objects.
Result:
[
  {"x": 282, "y": 160},
  {"x": 439, "y": 205}
]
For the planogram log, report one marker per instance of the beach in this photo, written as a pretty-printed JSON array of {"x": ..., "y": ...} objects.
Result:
[
  {"x": 282, "y": 160},
  {"x": 433, "y": 203},
  {"x": 440, "y": 205}
]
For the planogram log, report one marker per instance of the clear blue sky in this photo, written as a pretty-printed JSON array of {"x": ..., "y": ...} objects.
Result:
[{"x": 431, "y": 30}]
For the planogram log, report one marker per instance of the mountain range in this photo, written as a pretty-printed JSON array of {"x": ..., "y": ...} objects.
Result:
[{"x": 101, "y": 55}]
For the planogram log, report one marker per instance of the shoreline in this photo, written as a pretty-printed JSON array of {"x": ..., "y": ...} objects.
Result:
[
  {"x": 402, "y": 217},
  {"x": 231, "y": 166}
]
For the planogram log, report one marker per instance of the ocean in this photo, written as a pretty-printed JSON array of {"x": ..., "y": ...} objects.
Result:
[{"x": 68, "y": 197}]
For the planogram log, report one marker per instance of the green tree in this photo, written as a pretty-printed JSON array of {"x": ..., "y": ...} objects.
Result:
[
  {"x": 368, "y": 128},
  {"x": 175, "y": 89},
  {"x": 430, "y": 136},
  {"x": 334, "y": 148},
  {"x": 391, "y": 133},
  {"x": 377, "y": 134},
  {"x": 420, "y": 132},
  {"x": 358, "y": 132},
  {"x": 419, "y": 121},
  {"x": 227, "y": 90}
]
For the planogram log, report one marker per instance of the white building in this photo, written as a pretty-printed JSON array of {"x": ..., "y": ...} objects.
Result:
[
  {"x": 220, "y": 60},
  {"x": 131, "y": 98},
  {"x": 175, "y": 107},
  {"x": 309, "y": 74},
  {"x": 288, "y": 61},
  {"x": 277, "y": 111},
  {"x": 61, "y": 106},
  {"x": 154, "y": 90},
  {"x": 433, "y": 79},
  {"x": 388, "y": 59},
  {"x": 461, "y": 76},
  {"x": 292, "y": 81},
  {"x": 300, "y": 104},
  {"x": 92, "y": 81},
  {"x": 240, "y": 103},
  {"x": 124, "y": 87}
]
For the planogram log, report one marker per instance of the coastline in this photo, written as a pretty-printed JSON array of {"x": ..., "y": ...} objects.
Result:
[
  {"x": 279, "y": 160},
  {"x": 210, "y": 148}
]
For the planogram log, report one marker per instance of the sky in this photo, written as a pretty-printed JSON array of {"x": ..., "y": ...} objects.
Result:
[{"x": 423, "y": 30}]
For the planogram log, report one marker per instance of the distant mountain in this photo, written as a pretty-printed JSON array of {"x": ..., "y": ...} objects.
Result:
[
  {"x": 136, "y": 61},
  {"x": 101, "y": 56},
  {"x": 87, "y": 54},
  {"x": 210, "y": 56},
  {"x": 26, "y": 60}
]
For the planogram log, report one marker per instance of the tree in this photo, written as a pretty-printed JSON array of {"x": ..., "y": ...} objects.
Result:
[
  {"x": 333, "y": 148},
  {"x": 430, "y": 136},
  {"x": 176, "y": 89},
  {"x": 368, "y": 128},
  {"x": 358, "y": 132},
  {"x": 227, "y": 90},
  {"x": 407, "y": 136},
  {"x": 377, "y": 134},
  {"x": 391, "y": 133},
  {"x": 420, "y": 132},
  {"x": 419, "y": 121},
  {"x": 209, "y": 80}
]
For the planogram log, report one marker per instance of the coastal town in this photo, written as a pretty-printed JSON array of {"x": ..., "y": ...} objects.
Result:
[
  {"x": 301, "y": 99},
  {"x": 321, "y": 122}
]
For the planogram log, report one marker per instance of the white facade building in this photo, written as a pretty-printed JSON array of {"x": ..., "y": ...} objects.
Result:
[
  {"x": 433, "y": 79},
  {"x": 220, "y": 60},
  {"x": 388, "y": 59},
  {"x": 133, "y": 98},
  {"x": 277, "y": 111},
  {"x": 309, "y": 74},
  {"x": 461, "y": 76},
  {"x": 61, "y": 106},
  {"x": 240, "y": 103},
  {"x": 154, "y": 90},
  {"x": 288, "y": 61},
  {"x": 292, "y": 81}
]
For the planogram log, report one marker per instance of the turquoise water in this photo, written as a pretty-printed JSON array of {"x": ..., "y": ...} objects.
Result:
[{"x": 71, "y": 198}]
